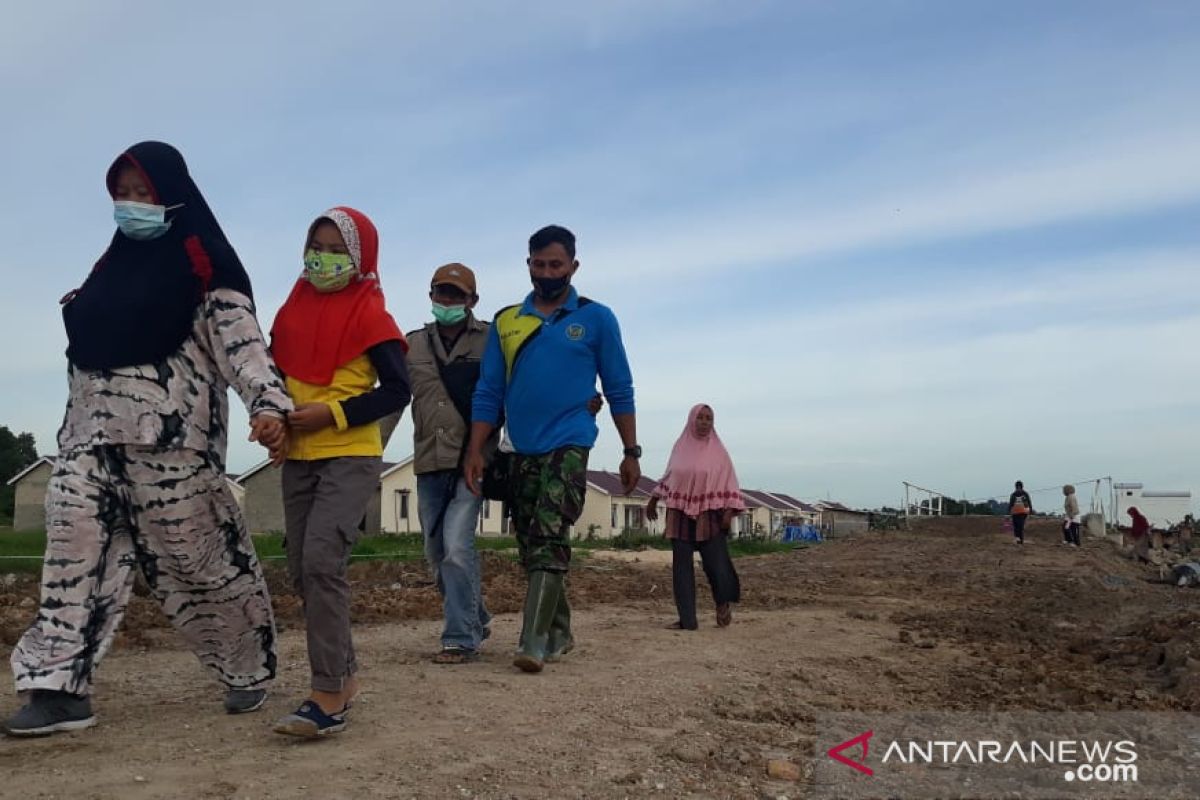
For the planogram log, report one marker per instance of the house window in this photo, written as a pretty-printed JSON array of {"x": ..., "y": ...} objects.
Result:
[
  {"x": 487, "y": 509},
  {"x": 614, "y": 515},
  {"x": 634, "y": 517},
  {"x": 404, "y": 505}
]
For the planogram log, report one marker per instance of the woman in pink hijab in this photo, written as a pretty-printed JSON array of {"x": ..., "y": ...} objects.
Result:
[{"x": 700, "y": 490}]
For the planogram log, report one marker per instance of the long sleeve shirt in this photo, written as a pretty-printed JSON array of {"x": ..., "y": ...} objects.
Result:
[
  {"x": 182, "y": 401},
  {"x": 363, "y": 391},
  {"x": 544, "y": 393}
]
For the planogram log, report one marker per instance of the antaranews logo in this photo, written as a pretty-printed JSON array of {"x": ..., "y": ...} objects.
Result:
[
  {"x": 1036, "y": 755},
  {"x": 862, "y": 740},
  {"x": 1087, "y": 760}
]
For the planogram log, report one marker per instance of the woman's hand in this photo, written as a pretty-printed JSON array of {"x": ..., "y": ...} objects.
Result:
[
  {"x": 279, "y": 454},
  {"x": 652, "y": 509},
  {"x": 726, "y": 519},
  {"x": 270, "y": 431},
  {"x": 311, "y": 417},
  {"x": 267, "y": 429}
]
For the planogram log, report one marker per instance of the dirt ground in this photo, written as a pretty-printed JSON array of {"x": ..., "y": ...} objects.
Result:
[{"x": 948, "y": 617}]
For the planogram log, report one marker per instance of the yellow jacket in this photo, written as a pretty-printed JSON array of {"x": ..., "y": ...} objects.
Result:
[{"x": 353, "y": 378}]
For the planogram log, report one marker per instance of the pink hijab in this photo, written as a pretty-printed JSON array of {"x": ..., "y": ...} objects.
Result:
[{"x": 700, "y": 475}]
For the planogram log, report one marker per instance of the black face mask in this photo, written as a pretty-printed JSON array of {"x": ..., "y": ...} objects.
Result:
[{"x": 551, "y": 288}]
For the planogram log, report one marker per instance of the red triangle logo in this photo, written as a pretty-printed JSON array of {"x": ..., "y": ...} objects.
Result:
[{"x": 863, "y": 739}]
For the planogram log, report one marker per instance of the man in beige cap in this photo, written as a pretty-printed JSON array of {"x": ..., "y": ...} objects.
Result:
[{"x": 443, "y": 364}]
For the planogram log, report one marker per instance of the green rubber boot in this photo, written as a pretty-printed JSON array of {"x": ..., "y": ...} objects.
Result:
[
  {"x": 561, "y": 641},
  {"x": 541, "y": 603}
]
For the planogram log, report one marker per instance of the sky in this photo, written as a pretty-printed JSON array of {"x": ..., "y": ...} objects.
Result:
[{"x": 943, "y": 242}]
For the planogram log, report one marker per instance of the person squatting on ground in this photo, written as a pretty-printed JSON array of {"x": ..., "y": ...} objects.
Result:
[
  {"x": 700, "y": 490},
  {"x": 158, "y": 331},
  {"x": 344, "y": 359},
  {"x": 1020, "y": 506},
  {"x": 1071, "y": 518},
  {"x": 539, "y": 368}
]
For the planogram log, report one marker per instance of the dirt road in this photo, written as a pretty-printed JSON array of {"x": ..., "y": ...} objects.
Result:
[{"x": 952, "y": 617}]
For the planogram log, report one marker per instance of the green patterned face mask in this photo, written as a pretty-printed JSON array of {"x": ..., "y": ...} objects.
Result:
[{"x": 328, "y": 272}]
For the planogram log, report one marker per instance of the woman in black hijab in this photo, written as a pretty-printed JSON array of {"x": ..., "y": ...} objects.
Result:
[{"x": 160, "y": 329}]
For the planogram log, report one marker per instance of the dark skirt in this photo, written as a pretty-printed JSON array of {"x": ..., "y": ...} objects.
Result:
[{"x": 693, "y": 529}]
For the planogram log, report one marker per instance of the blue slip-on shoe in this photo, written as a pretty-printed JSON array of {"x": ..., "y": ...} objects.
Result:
[{"x": 310, "y": 722}]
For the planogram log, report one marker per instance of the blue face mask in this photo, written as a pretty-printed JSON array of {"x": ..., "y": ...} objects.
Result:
[{"x": 141, "y": 221}]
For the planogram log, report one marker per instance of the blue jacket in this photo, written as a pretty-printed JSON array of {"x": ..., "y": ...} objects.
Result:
[{"x": 542, "y": 372}]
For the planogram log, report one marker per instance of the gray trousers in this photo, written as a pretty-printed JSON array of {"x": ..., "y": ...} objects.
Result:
[
  {"x": 323, "y": 503},
  {"x": 116, "y": 508}
]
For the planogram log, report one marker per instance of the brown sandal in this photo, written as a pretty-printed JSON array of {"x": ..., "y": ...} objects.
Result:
[
  {"x": 724, "y": 615},
  {"x": 455, "y": 655}
]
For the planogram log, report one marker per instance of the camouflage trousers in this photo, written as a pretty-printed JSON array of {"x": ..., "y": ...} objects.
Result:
[{"x": 548, "y": 495}]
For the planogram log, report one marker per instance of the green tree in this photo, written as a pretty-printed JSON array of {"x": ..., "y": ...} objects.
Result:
[
  {"x": 955, "y": 507},
  {"x": 17, "y": 451}
]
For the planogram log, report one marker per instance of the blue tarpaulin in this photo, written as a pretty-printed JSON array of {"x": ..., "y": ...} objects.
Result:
[{"x": 801, "y": 533}]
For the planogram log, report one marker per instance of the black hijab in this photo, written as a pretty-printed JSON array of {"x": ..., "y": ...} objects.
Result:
[{"x": 138, "y": 304}]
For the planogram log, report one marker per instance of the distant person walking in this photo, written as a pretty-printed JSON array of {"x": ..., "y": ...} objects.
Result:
[
  {"x": 700, "y": 490},
  {"x": 1071, "y": 518},
  {"x": 1020, "y": 506}
]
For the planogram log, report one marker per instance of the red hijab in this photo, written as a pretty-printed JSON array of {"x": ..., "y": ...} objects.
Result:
[
  {"x": 315, "y": 332},
  {"x": 700, "y": 475}
]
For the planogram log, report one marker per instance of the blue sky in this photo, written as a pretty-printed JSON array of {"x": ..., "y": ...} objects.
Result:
[{"x": 953, "y": 243}]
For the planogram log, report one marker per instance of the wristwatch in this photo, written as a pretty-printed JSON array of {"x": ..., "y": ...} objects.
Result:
[{"x": 634, "y": 452}]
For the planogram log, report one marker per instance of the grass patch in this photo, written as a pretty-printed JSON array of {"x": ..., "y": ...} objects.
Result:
[
  {"x": 22, "y": 551},
  {"x": 401, "y": 547},
  {"x": 760, "y": 547},
  {"x": 630, "y": 540}
]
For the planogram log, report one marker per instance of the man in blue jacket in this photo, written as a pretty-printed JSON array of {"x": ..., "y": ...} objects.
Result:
[{"x": 539, "y": 370}]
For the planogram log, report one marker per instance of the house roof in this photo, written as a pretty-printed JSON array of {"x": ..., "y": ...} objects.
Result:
[
  {"x": 394, "y": 466},
  {"x": 835, "y": 506},
  {"x": 750, "y": 501},
  {"x": 610, "y": 484},
  {"x": 799, "y": 505},
  {"x": 257, "y": 468},
  {"x": 768, "y": 500},
  {"x": 42, "y": 460}
]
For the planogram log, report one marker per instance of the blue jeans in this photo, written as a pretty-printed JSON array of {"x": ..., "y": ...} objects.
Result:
[{"x": 450, "y": 551}]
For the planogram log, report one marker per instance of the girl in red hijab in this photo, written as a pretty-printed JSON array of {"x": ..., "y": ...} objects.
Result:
[
  {"x": 700, "y": 490},
  {"x": 344, "y": 360}
]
